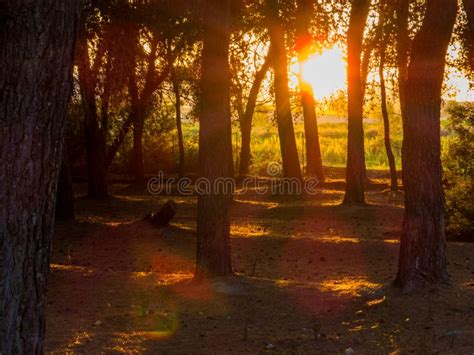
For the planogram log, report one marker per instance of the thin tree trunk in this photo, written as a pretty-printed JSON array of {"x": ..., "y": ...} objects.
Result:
[
  {"x": 36, "y": 54},
  {"x": 365, "y": 64},
  {"x": 368, "y": 52},
  {"x": 215, "y": 143},
  {"x": 314, "y": 165},
  {"x": 386, "y": 123},
  {"x": 65, "y": 194},
  {"x": 139, "y": 103},
  {"x": 286, "y": 132},
  {"x": 247, "y": 117},
  {"x": 423, "y": 244},
  {"x": 115, "y": 146},
  {"x": 365, "y": 75},
  {"x": 138, "y": 163},
  {"x": 245, "y": 150},
  {"x": 177, "y": 97},
  {"x": 355, "y": 170}
]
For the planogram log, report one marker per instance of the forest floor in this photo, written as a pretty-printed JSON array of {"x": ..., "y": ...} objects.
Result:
[{"x": 311, "y": 276}]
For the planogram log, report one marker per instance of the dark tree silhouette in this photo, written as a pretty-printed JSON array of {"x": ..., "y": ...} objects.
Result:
[
  {"x": 177, "y": 104},
  {"x": 112, "y": 67},
  {"x": 368, "y": 53},
  {"x": 355, "y": 171},
  {"x": 423, "y": 244},
  {"x": 142, "y": 105},
  {"x": 286, "y": 132},
  {"x": 65, "y": 194},
  {"x": 99, "y": 81},
  {"x": 247, "y": 117},
  {"x": 95, "y": 130},
  {"x": 314, "y": 165},
  {"x": 383, "y": 98},
  {"x": 386, "y": 124},
  {"x": 36, "y": 54},
  {"x": 215, "y": 143},
  {"x": 164, "y": 27}
]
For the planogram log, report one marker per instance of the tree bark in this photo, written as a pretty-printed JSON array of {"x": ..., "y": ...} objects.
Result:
[
  {"x": 247, "y": 117},
  {"x": 215, "y": 143},
  {"x": 65, "y": 194},
  {"x": 286, "y": 132},
  {"x": 355, "y": 170},
  {"x": 36, "y": 54},
  {"x": 386, "y": 123},
  {"x": 314, "y": 166},
  {"x": 423, "y": 244},
  {"x": 177, "y": 97}
]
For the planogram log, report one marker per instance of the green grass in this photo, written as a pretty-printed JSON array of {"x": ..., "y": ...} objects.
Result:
[{"x": 333, "y": 139}]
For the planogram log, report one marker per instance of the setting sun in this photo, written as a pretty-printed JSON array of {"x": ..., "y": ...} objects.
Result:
[{"x": 326, "y": 72}]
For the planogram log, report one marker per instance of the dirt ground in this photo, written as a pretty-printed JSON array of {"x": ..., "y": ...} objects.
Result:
[{"x": 312, "y": 276}]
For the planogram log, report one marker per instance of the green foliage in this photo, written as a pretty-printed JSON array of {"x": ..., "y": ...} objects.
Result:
[
  {"x": 458, "y": 160},
  {"x": 463, "y": 34}
]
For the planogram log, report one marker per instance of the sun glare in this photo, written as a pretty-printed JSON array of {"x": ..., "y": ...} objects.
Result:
[{"x": 326, "y": 72}]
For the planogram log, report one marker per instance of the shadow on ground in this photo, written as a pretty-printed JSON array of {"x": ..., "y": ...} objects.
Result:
[{"x": 311, "y": 276}]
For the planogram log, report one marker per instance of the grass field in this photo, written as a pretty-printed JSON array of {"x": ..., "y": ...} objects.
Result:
[
  {"x": 333, "y": 139},
  {"x": 161, "y": 151}
]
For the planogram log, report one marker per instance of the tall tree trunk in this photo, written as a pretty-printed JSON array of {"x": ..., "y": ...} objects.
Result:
[
  {"x": 177, "y": 98},
  {"x": 386, "y": 123},
  {"x": 314, "y": 166},
  {"x": 215, "y": 143},
  {"x": 35, "y": 77},
  {"x": 402, "y": 10},
  {"x": 246, "y": 121},
  {"x": 65, "y": 194},
  {"x": 355, "y": 170},
  {"x": 423, "y": 244},
  {"x": 95, "y": 138},
  {"x": 286, "y": 132}
]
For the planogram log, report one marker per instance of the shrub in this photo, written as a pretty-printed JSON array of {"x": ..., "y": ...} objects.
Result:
[{"x": 458, "y": 159}]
